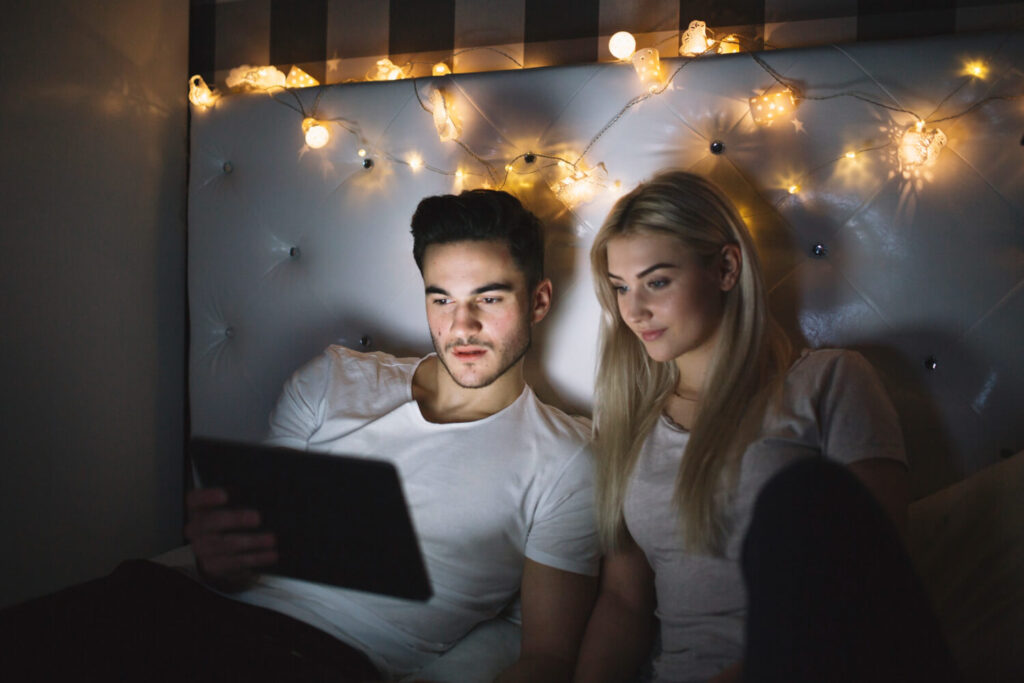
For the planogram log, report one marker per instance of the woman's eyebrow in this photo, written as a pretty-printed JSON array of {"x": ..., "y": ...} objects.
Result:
[{"x": 648, "y": 270}]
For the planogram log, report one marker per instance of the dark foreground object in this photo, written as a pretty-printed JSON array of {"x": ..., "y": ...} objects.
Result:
[
  {"x": 832, "y": 595},
  {"x": 145, "y": 622}
]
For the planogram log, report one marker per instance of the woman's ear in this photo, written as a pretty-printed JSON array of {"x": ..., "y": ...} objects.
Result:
[{"x": 729, "y": 266}]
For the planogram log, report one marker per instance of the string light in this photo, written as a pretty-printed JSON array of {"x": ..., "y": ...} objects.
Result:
[
  {"x": 695, "y": 40},
  {"x": 647, "y": 63},
  {"x": 361, "y": 153},
  {"x": 850, "y": 155},
  {"x": 316, "y": 132},
  {"x": 793, "y": 189},
  {"x": 415, "y": 162},
  {"x": 448, "y": 128},
  {"x": 200, "y": 94},
  {"x": 440, "y": 69},
  {"x": 920, "y": 148},
  {"x": 977, "y": 69},
  {"x": 248, "y": 77},
  {"x": 386, "y": 70},
  {"x": 622, "y": 45},
  {"x": 578, "y": 185},
  {"x": 297, "y": 78},
  {"x": 772, "y": 106},
  {"x": 729, "y": 45}
]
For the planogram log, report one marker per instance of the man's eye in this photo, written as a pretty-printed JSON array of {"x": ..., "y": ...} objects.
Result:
[
  {"x": 490, "y": 299},
  {"x": 440, "y": 302}
]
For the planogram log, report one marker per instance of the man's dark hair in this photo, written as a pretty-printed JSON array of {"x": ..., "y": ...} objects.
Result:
[{"x": 481, "y": 215}]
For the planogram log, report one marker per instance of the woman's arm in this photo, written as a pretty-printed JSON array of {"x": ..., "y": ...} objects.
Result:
[
  {"x": 619, "y": 633},
  {"x": 889, "y": 482}
]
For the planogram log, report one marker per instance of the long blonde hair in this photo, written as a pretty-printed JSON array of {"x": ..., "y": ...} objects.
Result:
[{"x": 751, "y": 357}]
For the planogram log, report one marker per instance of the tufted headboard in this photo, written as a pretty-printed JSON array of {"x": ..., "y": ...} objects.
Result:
[{"x": 921, "y": 268}]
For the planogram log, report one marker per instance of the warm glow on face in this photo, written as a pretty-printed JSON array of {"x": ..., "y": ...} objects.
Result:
[
  {"x": 622, "y": 45},
  {"x": 317, "y": 134}
]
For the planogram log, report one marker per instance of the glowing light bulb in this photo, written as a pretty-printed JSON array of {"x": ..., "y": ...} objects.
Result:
[
  {"x": 297, "y": 78},
  {"x": 440, "y": 69},
  {"x": 771, "y": 106},
  {"x": 459, "y": 174},
  {"x": 850, "y": 155},
  {"x": 694, "y": 40},
  {"x": 386, "y": 71},
  {"x": 316, "y": 132},
  {"x": 647, "y": 63},
  {"x": 448, "y": 127},
  {"x": 415, "y": 162},
  {"x": 200, "y": 94},
  {"x": 247, "y": 77},
  {"x": 729, "y": 45},
  {"x": 793, "y": 189},
  {"x": 977, "y": 68},
  {"x": 920, "y": 148},
  {"x": 579, "y": 184},
  {"x": 361, "y": 153},
  {"x": 622, "y": 45}
]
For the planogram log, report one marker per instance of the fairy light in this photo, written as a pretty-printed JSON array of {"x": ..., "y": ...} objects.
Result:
[
  {"x": 920, "y": 147},
  {"x": 850, "y": 155},
  {"x": 440, "y": 69},
  {"x": 772, "y": 106},
  {"x": 578, "y": 185},
  {"x": 448, "y": 127},
  {"x": 316, "y": 132},
  {"x": 297, "y": 78},
  {"x": 415, "y": 162},
  {"x": 729, "y": 45},
  {"x": 694, "y": 40},
  {"x": 200, "y": 94},
  {"x": 622, "y": 45},
  {"x": 386, "y": 70},
  {"x": 361, "y": 153},
  {"x": 647, "y": 63},
  {"x": 460, "y": 174},
  {"x": 976, "y": 68},
  {"x": 248, "y": 77},
  {"x": 793, "y": 189}
]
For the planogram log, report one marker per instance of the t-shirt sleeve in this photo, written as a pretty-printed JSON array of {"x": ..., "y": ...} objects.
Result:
[
  {"x": 564, "y": 530},
  {"x": 299, "y": 409},
  {"x": 858, "y": 418}
]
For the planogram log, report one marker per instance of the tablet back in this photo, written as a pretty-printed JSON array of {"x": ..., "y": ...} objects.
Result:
[{"x": 338, "y": 519}]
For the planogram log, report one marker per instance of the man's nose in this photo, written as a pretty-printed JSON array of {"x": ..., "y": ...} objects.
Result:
[{"x": 465, "y": 321}]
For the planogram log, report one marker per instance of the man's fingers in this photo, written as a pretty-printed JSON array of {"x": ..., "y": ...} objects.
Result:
[
  {"x": 197, "y": 499},
  {"x": 219, "y": 520}
]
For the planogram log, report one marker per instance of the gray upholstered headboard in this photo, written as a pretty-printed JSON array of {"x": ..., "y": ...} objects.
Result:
[{"x": 921, "y": 268}]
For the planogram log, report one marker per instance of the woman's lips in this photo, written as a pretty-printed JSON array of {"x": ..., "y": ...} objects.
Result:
[{"x": 651, "y": 335}]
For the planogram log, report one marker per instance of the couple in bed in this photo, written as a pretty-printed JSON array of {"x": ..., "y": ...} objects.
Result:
[{"x": 748, "y": 500}]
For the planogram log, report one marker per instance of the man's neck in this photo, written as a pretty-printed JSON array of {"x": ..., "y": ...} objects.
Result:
[{"x": 441, "y": 400}]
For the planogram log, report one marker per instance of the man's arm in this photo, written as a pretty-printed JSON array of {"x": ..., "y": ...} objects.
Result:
[{"x": 556, "y": 605}]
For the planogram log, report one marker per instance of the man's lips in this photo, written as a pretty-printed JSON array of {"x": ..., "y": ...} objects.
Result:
[
  {"x": 468, "y": 352},
  {"x": 651, "y": 335}
]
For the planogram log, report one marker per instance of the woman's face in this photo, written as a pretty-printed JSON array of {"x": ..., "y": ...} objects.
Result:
[{"x": 666, "y": 296}]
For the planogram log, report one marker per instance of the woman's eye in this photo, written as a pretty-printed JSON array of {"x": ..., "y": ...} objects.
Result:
[
  {"x": 657, "y": 284},
  {"x": 620, "y": 289}
]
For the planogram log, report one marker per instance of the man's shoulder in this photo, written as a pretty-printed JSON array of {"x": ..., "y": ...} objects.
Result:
[{"x": 549, "y": 421}]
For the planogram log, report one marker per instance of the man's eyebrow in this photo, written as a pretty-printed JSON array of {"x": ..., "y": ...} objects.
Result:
[
  {"x": 647, "y": 271},
  {"x": 489, "y": 287}
]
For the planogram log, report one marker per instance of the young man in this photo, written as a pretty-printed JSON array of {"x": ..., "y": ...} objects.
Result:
[{"x": 498, "y": 483}]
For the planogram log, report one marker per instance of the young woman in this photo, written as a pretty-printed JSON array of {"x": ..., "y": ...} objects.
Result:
[{"x": 699, "y": 403}]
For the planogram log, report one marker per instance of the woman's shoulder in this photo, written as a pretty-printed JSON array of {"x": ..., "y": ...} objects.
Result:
[{"x": 828, "y": 362}]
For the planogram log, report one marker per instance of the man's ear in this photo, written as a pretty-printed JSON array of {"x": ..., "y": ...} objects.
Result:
[
  {"x": 729, "y": 266},
  {"x": 540, "y": 302}
]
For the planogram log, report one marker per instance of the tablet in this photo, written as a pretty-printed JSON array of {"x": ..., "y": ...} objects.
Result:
[{"x": 339, "y": 520}]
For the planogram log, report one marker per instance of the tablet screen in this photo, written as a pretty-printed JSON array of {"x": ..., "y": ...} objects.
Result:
[{"x": 339, "y": 520}]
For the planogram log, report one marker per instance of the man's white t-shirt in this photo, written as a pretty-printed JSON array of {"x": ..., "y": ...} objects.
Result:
[{"x": 483, "y": 496}]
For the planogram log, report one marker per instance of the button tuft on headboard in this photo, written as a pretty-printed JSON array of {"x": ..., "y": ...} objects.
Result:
[
  {"x": 717, "y": 147},
  {"x": 366, "y": 341},
  {"x": 367, "y": 163},
  {"x": 931, "y": 363},
  {"x": 228, "y": 168},
  {"x": 819, "y": 250},
  {"x": 294, "y": 252},
  {"x": 229, "y": 332}
]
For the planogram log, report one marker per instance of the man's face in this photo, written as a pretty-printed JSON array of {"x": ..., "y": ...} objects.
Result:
[{"x": 478, "y": 308}]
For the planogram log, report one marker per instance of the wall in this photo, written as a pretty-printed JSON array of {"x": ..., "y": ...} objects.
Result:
[
  {"x": 337, "y": 40},
  {"x": 92, "y": 353}
]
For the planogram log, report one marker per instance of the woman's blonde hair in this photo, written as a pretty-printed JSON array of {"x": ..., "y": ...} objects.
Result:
[{"x": 751, "y": 357}]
